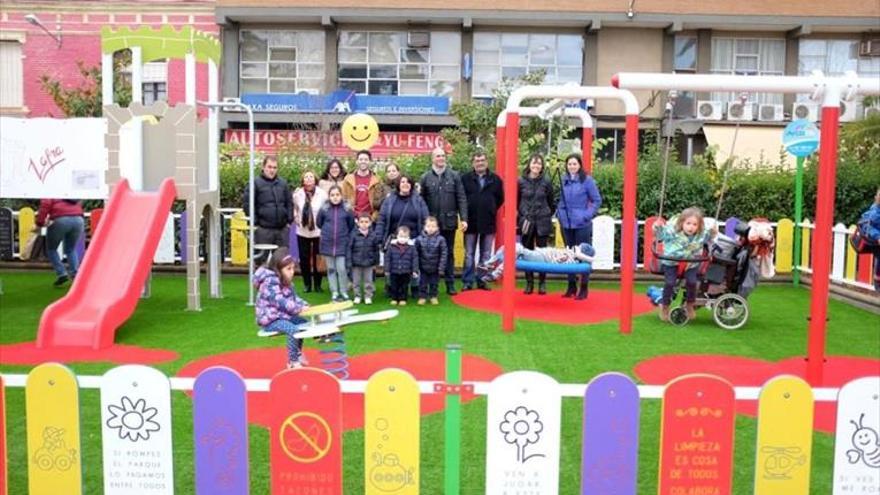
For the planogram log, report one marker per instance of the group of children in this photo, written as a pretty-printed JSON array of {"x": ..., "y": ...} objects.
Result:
[{"x": 350, "y": 244}]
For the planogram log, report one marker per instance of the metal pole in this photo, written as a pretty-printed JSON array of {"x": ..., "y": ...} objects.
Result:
[
  {"x": 250, "y": 204},
  {"x": 214, "y": 105},
  {"x": 798, "y": 217}
]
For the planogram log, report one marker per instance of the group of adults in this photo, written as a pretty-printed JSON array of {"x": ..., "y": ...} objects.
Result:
[{"x": 469, "y": 202}]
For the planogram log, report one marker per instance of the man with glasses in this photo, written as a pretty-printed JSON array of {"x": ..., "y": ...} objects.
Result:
[{"x": 442, "y": 190}]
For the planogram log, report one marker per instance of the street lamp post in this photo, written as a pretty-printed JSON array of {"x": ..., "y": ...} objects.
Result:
[{"x": 236, "y": 103}]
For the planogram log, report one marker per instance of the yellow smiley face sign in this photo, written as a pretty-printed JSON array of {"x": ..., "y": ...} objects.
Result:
[{"x": 360, "y": 132}]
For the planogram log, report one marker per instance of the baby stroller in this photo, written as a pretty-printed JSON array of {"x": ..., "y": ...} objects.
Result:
[{"x": 721, "y": 288}]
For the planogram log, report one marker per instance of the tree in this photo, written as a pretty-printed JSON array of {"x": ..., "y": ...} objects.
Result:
[{"x": 84, "y": 100}]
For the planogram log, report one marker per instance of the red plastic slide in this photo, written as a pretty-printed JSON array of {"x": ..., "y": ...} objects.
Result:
[{"x": 113, "y": 271}]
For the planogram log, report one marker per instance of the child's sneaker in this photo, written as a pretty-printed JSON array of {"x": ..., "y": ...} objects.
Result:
[
  {"x": 422, "y": 302},
  {"x": 402, "y": 303},
  {"x": 267, "y": 333},
  {"x": 368, "y": 301},
  {"x": 335, "y": 297},
  {"x": 357, "y": 300},
  {"x": 293, "y": 365},
  {"x": 434, "y": 301},
  {"x": 393, "y": 302},
  {"x": 664, "y": 313}
]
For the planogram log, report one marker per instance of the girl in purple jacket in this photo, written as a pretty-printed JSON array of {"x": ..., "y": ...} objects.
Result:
[{"x": 277, "y": 306}]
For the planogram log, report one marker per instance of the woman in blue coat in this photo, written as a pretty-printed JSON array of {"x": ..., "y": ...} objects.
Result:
[{"x": 579, "y": 200}]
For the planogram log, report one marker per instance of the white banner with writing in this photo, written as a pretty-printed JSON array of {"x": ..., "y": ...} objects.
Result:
[{"x": 53, "y": 158}]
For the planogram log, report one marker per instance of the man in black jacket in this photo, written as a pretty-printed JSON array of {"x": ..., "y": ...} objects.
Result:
[
  {"x": 485, "y": 194},
  {"x": 273, "y": 203},
  {"x": 442, "y": 190}
]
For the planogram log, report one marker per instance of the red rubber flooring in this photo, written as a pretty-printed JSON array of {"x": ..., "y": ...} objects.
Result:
[
  {"x": 28, "y": 353},
  {"x": 600, "y": 306}
]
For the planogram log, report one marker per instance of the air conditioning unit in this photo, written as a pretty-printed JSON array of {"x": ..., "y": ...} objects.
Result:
[
  {"x": 872, "y": 111},
  {"x": 418, "y": 39},
  {"x": 737, "y": 110},
  {"x": 770, "y": 113},
  {"x": 869, "y": 48},
  {"x": 805, "y": 110},
  {"x": 709, "y": 110},
  {"x": 848, "y": 111}
]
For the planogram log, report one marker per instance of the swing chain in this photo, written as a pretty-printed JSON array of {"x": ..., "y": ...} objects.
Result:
[
  {"x": 743, "y": 98},
  {"x": 670, "y": 104}
]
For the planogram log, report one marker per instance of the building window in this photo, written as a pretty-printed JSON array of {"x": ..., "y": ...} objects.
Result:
[
  {"x": 154, "y": 79},
  {"x": 834, "y": 58},
  {"x": 275, "y": 61},
  {"x": 685, "y": 62},
  {"x": 11, "y": 93},
  {"x": 398, "y": 63},
  {"x": 764, "y": 57},
  {"x": 154, "y": 91},
  {"x": 510, "y": 55}
]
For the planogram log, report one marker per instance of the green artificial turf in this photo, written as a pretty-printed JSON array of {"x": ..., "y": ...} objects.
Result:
[{"x": 569, "y": 354}]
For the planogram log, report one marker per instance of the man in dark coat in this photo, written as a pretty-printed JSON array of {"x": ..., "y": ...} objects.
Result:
[
  {"x": 273, "y": 203},
  {"x": 484, "y": 191},
  {"x": 442, "y": 190}
]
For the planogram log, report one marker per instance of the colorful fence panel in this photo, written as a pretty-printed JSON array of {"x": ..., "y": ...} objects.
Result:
[
  {"x": 7, "y": 234},
  {"x": 522, "y": 434},
  {"x": 53, "y": 436},
  {"x": 306, "y": 432},
  {"x": 603, "y": 242},
  {"x": 391, "y": 436},
  {"x": 238, "y": 227},
  {"x": 838, "y": 251},
  {"x": 851, "y": 258},
  {"x": 4, "y": 487},
  {"x": 696, "y": 438},
  {"x": 609, "y": 457},
  {"x": 785, "y": 437},
  {"x": 857, "y": 438},
  {"x": 26, "y": 222},
  {"x": 165, "y": 249},
  {"x": 806, "y": 233},
  {"x": 220, "y": 432},
  {"x": 784, "y": 246},
  {"x": 136, "y": 431}
]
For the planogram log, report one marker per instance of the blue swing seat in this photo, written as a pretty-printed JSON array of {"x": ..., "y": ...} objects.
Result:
[{"x": 556, "y": 268}]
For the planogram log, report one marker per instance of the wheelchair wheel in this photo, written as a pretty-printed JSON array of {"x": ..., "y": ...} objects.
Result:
[
  {"x": 678, "y": 316},
  {"x": 731, "y": 311}
]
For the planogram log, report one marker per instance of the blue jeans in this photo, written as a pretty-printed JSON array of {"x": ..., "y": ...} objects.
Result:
[
  {"x": 289, "y": 327},
  {"x": 575, "y": 237},
  {"x": 486, "y": 243},
  {"x": 67, "y": 230},
  {"x": 337, "y": 275}
]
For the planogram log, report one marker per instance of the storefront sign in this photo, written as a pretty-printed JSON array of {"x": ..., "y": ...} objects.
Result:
[
  {"x": 347, "y": 102},
  {"x": 389, "y": 143}
]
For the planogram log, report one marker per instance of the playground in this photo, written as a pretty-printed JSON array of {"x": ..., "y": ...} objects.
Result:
[
  {"x": 222, "y": 335},
  {"x": 131, "y": 381}
]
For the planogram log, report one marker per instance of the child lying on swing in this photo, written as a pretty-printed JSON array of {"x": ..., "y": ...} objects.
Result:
[{"x": 583, "y": 253}]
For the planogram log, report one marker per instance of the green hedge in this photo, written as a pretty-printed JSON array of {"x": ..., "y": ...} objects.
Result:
[{"x": 765, "y": 192}]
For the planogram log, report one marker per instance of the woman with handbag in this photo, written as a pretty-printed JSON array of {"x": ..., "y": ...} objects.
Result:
[
  {"x": 307, "y": 202},
  {"x": 535, "y": 214},
  {"x": 64, "y": 218},
  {"x": 579, "y": 201},
  {"x": 404, "y": 206}
]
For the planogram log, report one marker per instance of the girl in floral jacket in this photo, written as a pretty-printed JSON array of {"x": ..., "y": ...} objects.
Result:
[{"x": 277, "y": 306}]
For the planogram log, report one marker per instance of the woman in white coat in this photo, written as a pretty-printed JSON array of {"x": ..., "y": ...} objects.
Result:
[{"x": 307, "y": 202}]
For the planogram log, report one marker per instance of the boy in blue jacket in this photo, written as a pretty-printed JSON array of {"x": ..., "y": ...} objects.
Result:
[
  {"x": 432, "y": 250},
  {"x": 401, "y": 265},
  {"x": 362, "y": 257}
]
